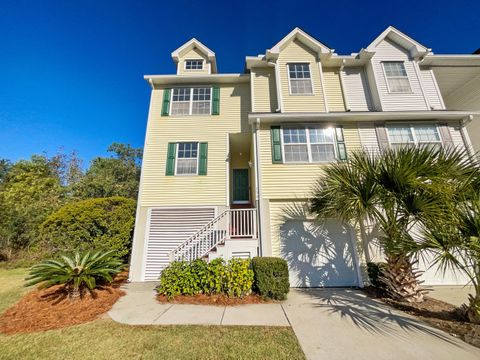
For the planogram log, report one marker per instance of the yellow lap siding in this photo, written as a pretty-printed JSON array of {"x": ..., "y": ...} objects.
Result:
[
  {"x": 333, "y": 89},
  {"x": 296, "y": 52},
  {"x": 264, "y": 90},
  {"x": 193, "y": 54},
  {"x": 290, "y": 181},
  {"x": 159, "y": 189}
]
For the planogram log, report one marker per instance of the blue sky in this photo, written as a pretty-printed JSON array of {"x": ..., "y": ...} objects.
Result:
[{"x": 71, "y": 72}]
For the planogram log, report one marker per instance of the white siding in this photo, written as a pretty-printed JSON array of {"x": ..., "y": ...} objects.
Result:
[
  {"x": 431, "y": 90},
  {"x": 168, "y": 228},
  {"x": 389, "y": 51},
  {"x": 368, "y": 136},
  {"x": 356, "y": 86}
]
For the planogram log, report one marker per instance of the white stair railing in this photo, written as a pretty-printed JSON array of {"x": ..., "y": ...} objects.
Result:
[{"x": 231, "y": 224}]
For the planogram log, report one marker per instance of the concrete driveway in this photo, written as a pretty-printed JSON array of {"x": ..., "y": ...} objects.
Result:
[{"x": 345, "y": 324}]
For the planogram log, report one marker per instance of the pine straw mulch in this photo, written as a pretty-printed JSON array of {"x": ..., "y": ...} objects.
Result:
[
  {"x": 47, "y": 309},
  {"x": 439, "y": 314},
  {"x": 215, "y": 299}
]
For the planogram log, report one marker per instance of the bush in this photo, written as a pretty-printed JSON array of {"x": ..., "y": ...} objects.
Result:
[
  {"x": 76, "y": 272},
  {"x": 233, "y": 278},
  {"x": 270, "y": 277},
  {"x": 375, "y": 274},
  {"x": 99, "y": 224}
]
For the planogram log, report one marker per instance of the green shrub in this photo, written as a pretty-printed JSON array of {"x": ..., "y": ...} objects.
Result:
[
  {"x": 375, "y": 274},
  {"x": 76, "y": 272},
  {"x": 270, "y": 277},
  {"x": 99, "y": 224},
  {"x": 233, "y": 278}
]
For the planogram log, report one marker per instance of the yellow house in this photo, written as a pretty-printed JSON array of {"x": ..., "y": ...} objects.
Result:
[{"x": 230, "y": 159}]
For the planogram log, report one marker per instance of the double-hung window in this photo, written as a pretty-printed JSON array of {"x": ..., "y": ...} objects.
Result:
[
  {"x": 187, "y": 158},
  {"x": 194, "y": 64},
  {"x": 397, "y": 79},
  {"x": 308, "y": 144},
  {"x": 414, "y": 135},
  {"x": 191, "y": 101},
  {"x": 300, "y": 79}
]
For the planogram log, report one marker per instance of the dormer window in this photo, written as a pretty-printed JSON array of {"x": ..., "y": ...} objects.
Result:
[
  {"x": 300, "y": 79},
  {"x": 396, "y": 75},
  {"x": 194, "y": 64}
]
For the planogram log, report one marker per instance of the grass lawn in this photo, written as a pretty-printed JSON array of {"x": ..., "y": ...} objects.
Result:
[{"x": 105, "y": 339}]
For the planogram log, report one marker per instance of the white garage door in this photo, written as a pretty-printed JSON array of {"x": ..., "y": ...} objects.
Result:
[{"x": 318, "y": 255}]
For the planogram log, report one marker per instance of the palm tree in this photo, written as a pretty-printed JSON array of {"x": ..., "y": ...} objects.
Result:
[{"x": 398, "y": 190}]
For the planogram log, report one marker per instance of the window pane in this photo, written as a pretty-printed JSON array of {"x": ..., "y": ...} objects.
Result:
[
  {"x": 323, "y": 152},
  {"x": 394, "y": 69},
  {"x": 296, "y": 153},
  {"x": 294, "y": 135},
  {"x": 400, "y": 134},
  {"x": 399, "y": 85},
  {"x": 201, "y": 108},
  {"x": 180, "y": 108},
  {"x": 194, "y": 64},
  {"x": 299, "y": 71},
  {"x": 181, "y": 94},
  {"x": 321, "y": 135},
  {"x": 186, "y": 166},
  {"x": 187, "y": 158},
  {"x": 426, "y": 133}
]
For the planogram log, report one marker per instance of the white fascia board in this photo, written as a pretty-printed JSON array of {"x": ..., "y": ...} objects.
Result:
[
  {"x": 451, "y": 60},
  {"x": 303, "y": 37},
  {"x": 362, "y": 116},
  {"x": 197, "y": 79},
  {"x": 400, "y": 38}
]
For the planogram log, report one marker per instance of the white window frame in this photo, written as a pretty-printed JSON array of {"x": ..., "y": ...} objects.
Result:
[
  {"x": 396, "y": 77},
  {"x": 190, "y": 106},
  {"x": 412, "y": 129},
  {"x": 185, "y": 64},
  {"x": 308, "y": 143},
  {"x": 290, "y": 83},
  {"x": 176, "y": 156}
]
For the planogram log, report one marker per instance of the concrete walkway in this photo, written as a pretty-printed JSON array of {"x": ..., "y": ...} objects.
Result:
[
  {"x": 455, "y": 295},
  {"x": 330, "y": 324},
  {"x": 139, "y": 307}
]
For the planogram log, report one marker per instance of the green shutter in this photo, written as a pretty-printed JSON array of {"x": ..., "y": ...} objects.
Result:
[
  {"x": 172, "y": 151},
  {"x": 341, "y": 148},
  {"x": 276, "y": 145},
  {"x": 166, "y": 102},
  {"x": 216, "y": 101},
  {"x": 202, "y": 163}
]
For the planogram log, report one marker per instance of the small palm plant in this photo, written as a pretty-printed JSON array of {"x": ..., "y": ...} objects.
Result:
[{"x": 76, "y": 272}]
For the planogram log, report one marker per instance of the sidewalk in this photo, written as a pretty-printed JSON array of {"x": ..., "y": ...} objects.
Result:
[{"x": 139, "y": 307}]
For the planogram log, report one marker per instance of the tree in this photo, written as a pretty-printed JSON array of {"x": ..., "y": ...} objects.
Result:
[
  {"x": 118, "y": 175},
  {"x": 399, "y": 191},
  {"x": 29, "y": 192},
  {"x": 92, "y": 224}
]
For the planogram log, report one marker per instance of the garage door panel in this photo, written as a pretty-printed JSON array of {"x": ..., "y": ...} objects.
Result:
[{"x": 317, "y": 254}]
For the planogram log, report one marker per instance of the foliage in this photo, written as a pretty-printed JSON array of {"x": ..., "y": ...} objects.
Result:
[
  {"x": 76, "y": 272},
  {"x": 118, "y": 175},
  {"x": 375, "y": 273},
  {"x": 271, "y": 277},
  {"x": 233, "y": 278},
  {"x": 396, "y": 191},
  {"x": 99, "y": 224}
]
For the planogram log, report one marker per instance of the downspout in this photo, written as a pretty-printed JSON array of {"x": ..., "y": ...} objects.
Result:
[
  {"x": 278, "y": 87},
  {"x": 258, "y": 192},
  {"x": 342, "y": 86}
]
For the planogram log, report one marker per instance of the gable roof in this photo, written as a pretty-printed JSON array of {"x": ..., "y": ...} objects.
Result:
[
  {"x": 415, "y": 48},
  {"x": 303, "y": 37},
  {"x": 195, "y": 44}
]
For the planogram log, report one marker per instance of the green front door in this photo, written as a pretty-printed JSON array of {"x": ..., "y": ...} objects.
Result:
[{"x": 241, "y": 188}]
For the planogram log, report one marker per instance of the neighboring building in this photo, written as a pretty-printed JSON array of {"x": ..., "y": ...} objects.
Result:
[{"x": 230, "y": 159}]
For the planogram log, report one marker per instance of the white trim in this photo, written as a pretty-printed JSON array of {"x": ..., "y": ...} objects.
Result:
[
  {"x": 252, "y": 92},
  {"x": 344, "y": 89},
  {"x": 323, "y": 86},
  {"x": 185, "y": 64},
  {"x": 176, "y": 157},
  {"x": 289, "y": 80},
  {"x": 145, "y": 244},
  {"x": 302, "y": 36},
  {"x": 279, "y": 87},
  {"x": 422, "y": 86},
  {"x": 227, "y": 169},
  {"x": 396, "y": 77},
  {"x": 416, "y": 50},
  {"x": 355, "y": 257}
]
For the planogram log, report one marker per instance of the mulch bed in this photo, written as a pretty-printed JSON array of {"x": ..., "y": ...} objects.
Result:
[
  {"x": 439, "y": 314},
  {"x": 219, "y": 300},
  {"x": 47, "y": 309}
]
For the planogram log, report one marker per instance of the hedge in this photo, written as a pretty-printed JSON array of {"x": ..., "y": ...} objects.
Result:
[
  {"x": 270, "y": 277},
  {"x": 93, "y": 224}
]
